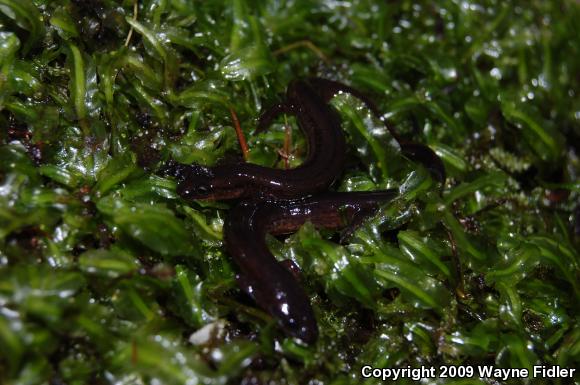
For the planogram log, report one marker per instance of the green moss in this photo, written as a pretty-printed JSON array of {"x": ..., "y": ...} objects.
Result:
[{"x": 105, "y": 273}]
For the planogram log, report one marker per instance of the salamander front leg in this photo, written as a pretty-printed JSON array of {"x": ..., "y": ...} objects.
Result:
[
  {"x": 357, "y": 220},
  {"x": 421, "y": 153}
]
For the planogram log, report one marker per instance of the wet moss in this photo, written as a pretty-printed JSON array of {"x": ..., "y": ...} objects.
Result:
[{"x": 107, "y": 276}]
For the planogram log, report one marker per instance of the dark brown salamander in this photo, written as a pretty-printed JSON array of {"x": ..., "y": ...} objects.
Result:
[
  {"x": 417, "y": 152},
  {"x": 267, "y": 281},
  {"x": 323, "y": 164},
  {"x": 272, "y": 285},
  {"x": 308, "y": 101}
]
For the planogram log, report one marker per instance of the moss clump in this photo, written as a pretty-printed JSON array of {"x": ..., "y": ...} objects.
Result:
[{"x": 105, "y": 273}]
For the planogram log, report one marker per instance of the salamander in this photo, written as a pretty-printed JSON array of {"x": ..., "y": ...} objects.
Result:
[
  {"x": 417, "y": 152},
  {"x": 272, "y": 285},
  {"x": 326, "y": 148},
  {"x": 272, "y": 204},
  {"x": 324, "y": 162}
]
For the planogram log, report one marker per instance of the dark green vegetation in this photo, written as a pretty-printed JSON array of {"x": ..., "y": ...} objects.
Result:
[{"x": 105, "y": 272}]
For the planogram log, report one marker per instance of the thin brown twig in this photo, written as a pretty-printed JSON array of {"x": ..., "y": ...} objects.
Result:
[
  {"x": 134, "y": 352},
  {"x": 285, "y": 152},
  {"x": 239, "y": 133},
  {"x": 135, "y": 13},
  {"x": 460, "y": 288},
  {"x": 303, "y": 43},
  {"x": 287, "y": 142}
]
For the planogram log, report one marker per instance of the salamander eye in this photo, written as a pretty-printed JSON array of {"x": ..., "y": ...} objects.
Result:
[
  {"x": 202, "y": 190},
  {"x": 195, "y": 182},
  {"x": 193, "y": 191}
]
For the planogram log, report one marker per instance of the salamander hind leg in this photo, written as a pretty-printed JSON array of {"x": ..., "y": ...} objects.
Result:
[
  {"x": 357, "y": 220},
  {"x": 423, "y": 154}
]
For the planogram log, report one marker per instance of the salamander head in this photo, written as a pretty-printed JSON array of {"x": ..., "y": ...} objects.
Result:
[
  {"x": 199, "y": 182},
  {"x": 194, "y": 182}
]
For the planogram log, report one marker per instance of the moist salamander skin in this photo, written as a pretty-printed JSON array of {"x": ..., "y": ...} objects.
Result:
[
  {"x": 272, "y": 205},
  {"x": 325, "y": 158},
  {"x": 324, "y": 163},
  {"x": 272, "y": 285}
]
